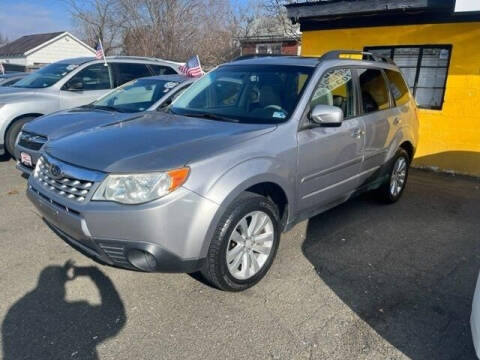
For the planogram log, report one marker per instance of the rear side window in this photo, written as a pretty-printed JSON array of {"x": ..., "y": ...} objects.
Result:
[
  {"x": 374, "y": 90},
  {"x": 125, "y": 72},
  {"x": 398, "y": 88},
  {"x": 336, "y": 89},
  {"x": 162, "y": 70}
]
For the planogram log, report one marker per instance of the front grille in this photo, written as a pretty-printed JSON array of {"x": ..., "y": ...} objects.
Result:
[
  {"x": 31, "y": 141},
  {"x": 63, "y": 185}
]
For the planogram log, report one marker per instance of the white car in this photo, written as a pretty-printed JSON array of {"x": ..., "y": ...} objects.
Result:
[
  {"x": 475, "y": 318},
  {"x": 66, "y": 84}
]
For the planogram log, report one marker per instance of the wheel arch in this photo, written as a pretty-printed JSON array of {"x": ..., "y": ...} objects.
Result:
[
  {"x": 19, "y": 117},
  {"x": 409, "y": 148},
  {"x": 268, "y": 184}
]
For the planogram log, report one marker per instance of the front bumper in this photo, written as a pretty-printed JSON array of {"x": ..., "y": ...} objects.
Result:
[{"x": 166, "y": 235}]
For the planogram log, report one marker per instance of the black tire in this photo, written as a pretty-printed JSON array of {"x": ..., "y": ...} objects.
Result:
[
  {"x": 12, "y": 133},
  {"x": 216, "y": 269},
  {"x": 385, "y": 193}
]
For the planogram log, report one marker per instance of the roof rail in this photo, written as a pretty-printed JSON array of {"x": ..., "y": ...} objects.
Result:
[
  {"x": 126, "y": 57},
  {"x": 336, "y": 54},
  {"x": 253, "y": 56}
]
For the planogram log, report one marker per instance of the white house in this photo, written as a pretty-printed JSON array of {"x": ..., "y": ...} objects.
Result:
[{"x": 34, "y": 51}]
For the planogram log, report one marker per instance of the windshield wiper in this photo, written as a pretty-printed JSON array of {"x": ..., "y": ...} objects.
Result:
[
  {"x": 211, "y": 116},
  {"x": 106, "y": 108}
]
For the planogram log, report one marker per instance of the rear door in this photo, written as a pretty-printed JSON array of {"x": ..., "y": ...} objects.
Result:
[
  {"x": 86, "y": 86},
  {"x": 125, "y": 72},
  {"x": 376, "y": 108},
  {"x": 403, "y": 110},
  {"x": 330, "y": 158}
]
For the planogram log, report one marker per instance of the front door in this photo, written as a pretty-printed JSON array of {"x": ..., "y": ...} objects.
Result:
[
  {"x": 330, "y": 158},
  {"x": 86, "y": 86}
]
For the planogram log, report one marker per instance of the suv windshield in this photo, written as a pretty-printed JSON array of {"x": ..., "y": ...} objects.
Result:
[
  {"x": 135, "y": 96},
  {"x": 245, "y": 93},
  {"x": 46, "y": 76}
]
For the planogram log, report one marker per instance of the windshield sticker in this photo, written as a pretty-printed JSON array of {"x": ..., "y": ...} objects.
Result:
[
  {"x": 279, "y": 115},
  {"x": 170, "y": 85},
  {"x": 71, "y": 67}
]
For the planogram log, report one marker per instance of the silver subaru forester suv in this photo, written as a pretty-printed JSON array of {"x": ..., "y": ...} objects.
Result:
[{"x": 249, "y": 150}]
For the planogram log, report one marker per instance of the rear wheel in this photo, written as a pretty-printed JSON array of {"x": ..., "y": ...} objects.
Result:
[
  {"x": 393, "y": 187},
  {"x": 12, "y": 133},
  {"x": 244, "y": 245}
]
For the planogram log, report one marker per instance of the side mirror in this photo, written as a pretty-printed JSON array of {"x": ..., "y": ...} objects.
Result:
[
  {"x": 75, "y": 86},
  {"x": 326, "y": 115}
]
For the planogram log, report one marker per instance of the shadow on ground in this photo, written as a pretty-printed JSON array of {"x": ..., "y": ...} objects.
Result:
[
  {"x": 408, "y": 270},
  {"x": 43, "y": 325}
]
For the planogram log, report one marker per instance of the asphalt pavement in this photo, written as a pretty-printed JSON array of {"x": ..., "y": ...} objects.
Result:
[{"x": 361, "y": 281}]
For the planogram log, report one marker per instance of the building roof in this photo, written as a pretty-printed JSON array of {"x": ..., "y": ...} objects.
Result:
[
  {"x": 269, "y": 38},
  {"x": 26, "y": 43},
  {"x": 335, "y": 14}
]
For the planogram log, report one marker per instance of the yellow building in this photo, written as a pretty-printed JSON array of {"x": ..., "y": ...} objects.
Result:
[{"x": 437, "y": 49}]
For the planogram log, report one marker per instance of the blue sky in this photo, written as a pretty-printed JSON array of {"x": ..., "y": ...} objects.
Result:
[{"x": 23, "y": 17}]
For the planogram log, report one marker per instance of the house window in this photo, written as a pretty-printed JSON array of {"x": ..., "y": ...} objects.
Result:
[
  {"x": 425, "y": 69},
  {"x": 269, "y": 48}
]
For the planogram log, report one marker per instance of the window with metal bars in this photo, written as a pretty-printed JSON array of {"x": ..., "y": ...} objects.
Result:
[{"x": 424, "y": 68}]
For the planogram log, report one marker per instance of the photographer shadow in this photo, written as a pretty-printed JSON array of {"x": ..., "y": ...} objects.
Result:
[{"x": 43, "y": 325}]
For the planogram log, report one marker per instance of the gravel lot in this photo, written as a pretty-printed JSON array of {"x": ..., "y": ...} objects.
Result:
[{"x": 362, "y": 281}]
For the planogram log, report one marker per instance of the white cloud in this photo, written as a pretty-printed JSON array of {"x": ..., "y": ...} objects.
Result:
[{"x": 24, "y": 18}]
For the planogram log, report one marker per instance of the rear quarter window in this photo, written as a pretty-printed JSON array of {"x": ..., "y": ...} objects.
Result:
[{"x": 162, "y": 70}]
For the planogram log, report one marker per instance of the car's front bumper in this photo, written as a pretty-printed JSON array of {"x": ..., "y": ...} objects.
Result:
[{"x": 166, "y": 235}]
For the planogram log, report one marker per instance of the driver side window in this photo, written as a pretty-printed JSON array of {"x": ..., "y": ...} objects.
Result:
[{"x": 335, "y": 88}]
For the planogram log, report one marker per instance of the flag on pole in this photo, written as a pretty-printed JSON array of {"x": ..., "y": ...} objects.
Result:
[
  {"x": 99, "y": 51},
  {"x": 2, "y": 69},
  {"x": 192, "y": 67}
]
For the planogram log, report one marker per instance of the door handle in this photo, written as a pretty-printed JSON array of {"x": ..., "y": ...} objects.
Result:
[
  {"x": 357, "y": 133},
  {"x": 397, "y": 121}
]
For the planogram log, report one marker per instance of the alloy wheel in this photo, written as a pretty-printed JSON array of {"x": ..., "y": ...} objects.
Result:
[
  {"x": 399, "y": 175},
  {"x": 250, "y": 245}
]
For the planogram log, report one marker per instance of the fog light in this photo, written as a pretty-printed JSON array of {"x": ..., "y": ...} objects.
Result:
[{"x": 142, "y": 260}]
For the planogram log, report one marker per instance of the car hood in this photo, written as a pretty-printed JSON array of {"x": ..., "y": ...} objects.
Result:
[
  {"x": 64, "y": 123},
  {"x": 151, "y": 142},
  {"x": 10, "y": 94}
]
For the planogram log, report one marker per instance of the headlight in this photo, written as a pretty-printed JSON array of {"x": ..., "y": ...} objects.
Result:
[{"x": 140, "y": 188}]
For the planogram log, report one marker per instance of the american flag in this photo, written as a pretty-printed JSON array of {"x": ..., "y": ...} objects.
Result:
[
  {"x": 99, "y": 51},
  {"x": 2, "y": 69},
  {"x": 192, "y": 67}
]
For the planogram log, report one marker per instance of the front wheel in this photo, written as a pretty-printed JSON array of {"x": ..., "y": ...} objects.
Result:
[
  {"x": 395, "y": 183},
  {"x": 244, "y": 245}
]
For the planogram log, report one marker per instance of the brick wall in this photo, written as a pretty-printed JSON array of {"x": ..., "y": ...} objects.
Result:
[{"x": 290, "y": 48}]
